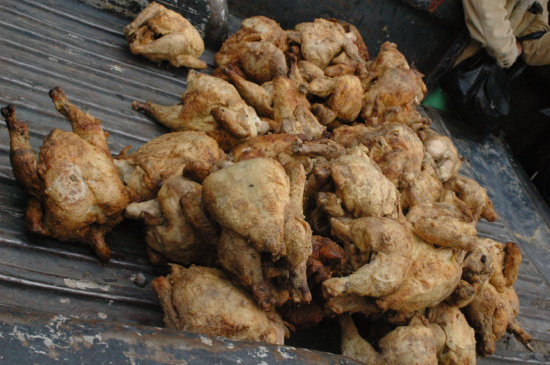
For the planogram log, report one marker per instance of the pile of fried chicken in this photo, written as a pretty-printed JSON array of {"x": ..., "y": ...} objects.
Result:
[{"x": 299, "y": 182}]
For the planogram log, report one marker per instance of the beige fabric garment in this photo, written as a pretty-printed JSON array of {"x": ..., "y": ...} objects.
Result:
[{"x": 495, "y": 24}]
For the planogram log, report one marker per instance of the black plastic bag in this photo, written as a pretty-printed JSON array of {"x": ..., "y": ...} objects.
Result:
[{"x": 481, "y": 89}]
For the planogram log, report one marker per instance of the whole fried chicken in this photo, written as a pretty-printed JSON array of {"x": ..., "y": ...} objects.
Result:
[
  {"x": 256, "y": 50},
  {"x": 394, "y": 147},
  {"x": 75, "y": 192},
  {"x": 361, "y": 185},
  {"x": 454, "y": 336},
  {"x": 380, "y": 253},
  {"x": 250, "y": 198},
  {"x": 412, "y": 344},
  {"x": 145, "y": 170},
  {"x": 160, "y": 34},
  {"x": 433, "y": 276},
  {"x": 210, "y": 105},
  {"x": 177, "y": 226},
  {"x": 392, "y": 90},
  {"x": 203, "y": 300},
  {"x": 322, "y": 40}
]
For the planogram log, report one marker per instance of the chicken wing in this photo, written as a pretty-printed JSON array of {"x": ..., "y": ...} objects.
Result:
[
  {"x": 76, "y": 193},
  {"x": 202, "y": 300},
  {"x": 160, "y": 34}
]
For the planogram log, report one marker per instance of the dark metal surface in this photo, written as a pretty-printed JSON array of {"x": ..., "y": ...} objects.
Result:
[
  {"x": 54, "y": 338},
  {"x": 66, "y": 43}
]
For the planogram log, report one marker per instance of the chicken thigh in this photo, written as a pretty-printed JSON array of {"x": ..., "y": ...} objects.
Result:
[
  {"x": 202, "y": 300},
  {"x": 160, "y": 34},
  {"x": 75, "y": 192}
]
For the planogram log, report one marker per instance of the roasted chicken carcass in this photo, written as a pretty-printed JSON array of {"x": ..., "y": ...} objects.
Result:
[
  {"x": 254, "y": 200},
  {"x": 393, "y": 90},
  {"x": 412, "y": 344},
  {"x": 362, "y": 187},
  {"x": 177, "y": 225},
  {"x": 455, "y": 339},
  {"x": 322, "y": 40},
  {"x": 75, "y": 191},
  {"x": 282, "y": 100},
  {"x": 210, "y": 105},
  {"x": 160, "y": 34},
  {"x": 255, "y": 51},
  {"x": 145, "y": 170},
  {"x": 379, "y": 251},
  {"x": 203, "y": 300},
  {"x": 432, "y": 277},
  {"x": 394, "y": 147}
]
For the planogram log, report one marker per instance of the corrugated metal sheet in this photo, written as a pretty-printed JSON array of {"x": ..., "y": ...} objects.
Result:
[{"x": 48, "y": 43}]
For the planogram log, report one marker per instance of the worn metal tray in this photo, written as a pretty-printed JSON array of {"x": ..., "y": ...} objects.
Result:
[{"x": 57, "y": 302}]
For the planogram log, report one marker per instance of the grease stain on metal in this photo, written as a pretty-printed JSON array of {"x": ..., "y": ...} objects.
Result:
[
  {"x": 206, "y": 340},
  {"x": 84, "y": 284}
]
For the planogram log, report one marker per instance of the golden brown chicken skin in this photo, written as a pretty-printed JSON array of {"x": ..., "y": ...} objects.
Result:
[
  {"x": 76, "y": 193},
  {"x": 160, "y": 34}
]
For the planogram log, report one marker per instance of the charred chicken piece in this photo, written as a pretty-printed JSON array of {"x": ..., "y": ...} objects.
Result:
[
  {"x": 210, "y": 105},
  {"x": 76, "y": 193},
  {"x": 145, "y": 170},
  {"x": 203, "y": 300},
  {"x": 412, "y": 344},
  {"x": 177, "y": 226},
  {"x": 380, "y": 252},
  {"x": 160, "y": 34}
]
